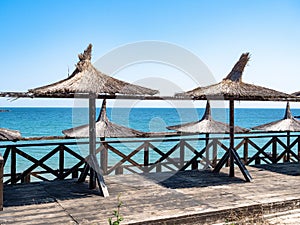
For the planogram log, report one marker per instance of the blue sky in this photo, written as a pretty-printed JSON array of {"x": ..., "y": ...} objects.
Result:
[{"x": 40, "y": 40}]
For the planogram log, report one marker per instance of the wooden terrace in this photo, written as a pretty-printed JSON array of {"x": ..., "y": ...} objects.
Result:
[
  {"x": 170, "y": 182},
  {"x": 187, "y": 197}
]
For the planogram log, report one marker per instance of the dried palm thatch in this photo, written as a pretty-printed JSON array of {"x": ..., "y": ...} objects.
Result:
[
  {"x": 87, "y": 79},
  {"x": 296, "y": 93},
  {"x": 9, "y": 135},
  {"x": 288, "y": 123},
  {"x": 233, "y": 87},
  {"x": 206, "y": 125},
  {"x": 104, "y": 128}
]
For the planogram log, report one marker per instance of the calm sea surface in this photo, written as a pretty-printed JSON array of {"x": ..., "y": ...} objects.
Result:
[{"x": 51, "y": 121}]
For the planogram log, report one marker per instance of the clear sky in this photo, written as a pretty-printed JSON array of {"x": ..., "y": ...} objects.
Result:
[{"x": 40, "y": 40}]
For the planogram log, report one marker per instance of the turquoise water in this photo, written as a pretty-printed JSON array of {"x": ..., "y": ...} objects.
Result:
[{"x": 51, "y": 121}]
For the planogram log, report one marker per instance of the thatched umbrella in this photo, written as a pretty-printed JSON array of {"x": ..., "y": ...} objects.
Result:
[
  {"x": 104, "y": 128},
  {"x": 288, "y": 123},
  {"x": 206, "y": 125},
  {"x": 232, "y": 88},
  {"x": 9, "y": 135},
  {"x": 86, "y": 79},
  {"x": 297, "y": 93}
]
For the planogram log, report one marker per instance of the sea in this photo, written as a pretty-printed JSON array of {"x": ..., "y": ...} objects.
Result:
[
  {"x": 51, "y": 121},
  {"x": 32, "y": 122}
]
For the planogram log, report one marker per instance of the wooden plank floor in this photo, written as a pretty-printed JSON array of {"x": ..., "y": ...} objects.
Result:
[{"x": 190, "y": 197}]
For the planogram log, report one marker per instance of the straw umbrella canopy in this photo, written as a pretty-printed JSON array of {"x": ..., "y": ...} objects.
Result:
[
  {"x": 232, "y": 88},
  {"x": 104, "y": 128},
  {"x": 297, "y": 93},
  {"x": 206, "y": 125},
  {"x": 9, "y": 135},
  {"x": 86, "y": 79},
  {"x": 288, "y": 123}
]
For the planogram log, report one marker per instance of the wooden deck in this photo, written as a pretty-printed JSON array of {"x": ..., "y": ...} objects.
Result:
[{"x": 188, "y": 197}]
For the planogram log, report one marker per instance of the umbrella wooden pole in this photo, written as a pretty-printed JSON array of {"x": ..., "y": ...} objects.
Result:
[
  {"x": 95, "y": 174},
  {"x": 92, "y": 137},
  {"x": 231, "y": 154},
  {"x": 231, "y": 131}
]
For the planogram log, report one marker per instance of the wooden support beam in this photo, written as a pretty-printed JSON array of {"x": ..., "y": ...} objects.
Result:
[{"x": 95, "y": 171}]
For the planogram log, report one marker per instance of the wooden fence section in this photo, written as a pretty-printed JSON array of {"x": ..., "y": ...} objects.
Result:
[{"x": 142, "y": 156}]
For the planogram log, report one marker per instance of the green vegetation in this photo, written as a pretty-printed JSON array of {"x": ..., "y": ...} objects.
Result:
[{"x": 117, "y": 218}]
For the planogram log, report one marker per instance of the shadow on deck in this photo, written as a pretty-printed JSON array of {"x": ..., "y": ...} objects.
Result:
[
  {"x": 291, "y": 169},
  {"x": 192, "y": 179},
  {"x": 47, "y": 192}
]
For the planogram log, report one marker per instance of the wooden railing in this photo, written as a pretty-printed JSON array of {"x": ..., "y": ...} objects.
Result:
[{"x": 49, "y": 161}]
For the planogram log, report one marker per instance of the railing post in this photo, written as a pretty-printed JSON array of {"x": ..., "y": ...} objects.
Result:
[
  {"x": 119, "y": 170},
  {"x": 181, "y": 153},
  {"x": 146, "y": 156},
  {"x": 257, "y": 160},
  {"x": 194, "y": 163},
  {"x": 1, "y": 182},
  {"x": 215, "y": 153},
  {"x": 207, "y": 161},
  {"x": 13, "y": 165},
  {"x": 246, "y": 151},
  {"x": 75, "y": 174},
  {"x": 274, "y": 150},
  {"x": 26, "y": 179},
  {"x": 158, "y": 167},
  {"x": 61, "y": 162}
]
